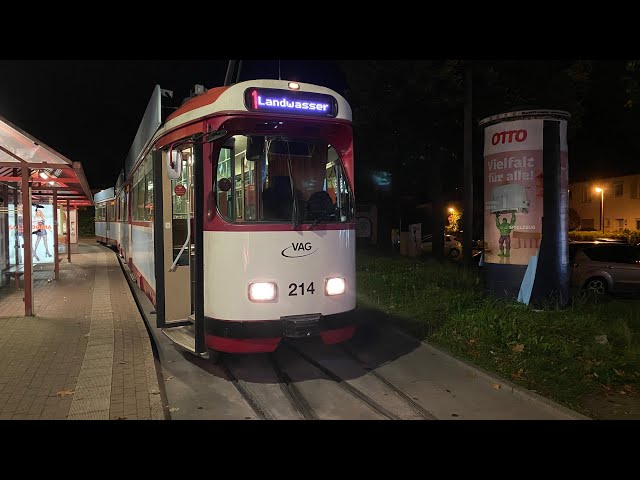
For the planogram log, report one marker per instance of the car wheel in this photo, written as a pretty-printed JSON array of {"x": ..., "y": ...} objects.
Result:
[
  {"x": 597, "y": 285},
  {"x": 454, "y": 253}
]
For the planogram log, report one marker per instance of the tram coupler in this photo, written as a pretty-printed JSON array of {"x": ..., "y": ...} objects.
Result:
[{"x": 299, "y": 326}]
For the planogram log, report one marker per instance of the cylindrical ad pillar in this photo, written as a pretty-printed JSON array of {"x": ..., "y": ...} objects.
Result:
[{"x": 526, "y": 205}]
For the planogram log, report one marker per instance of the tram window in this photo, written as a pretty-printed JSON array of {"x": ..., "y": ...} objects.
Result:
[
  {"x": 182, "y": 209},
  {"x": 263, "y": 188},
  {"x": 138, "y": 195},
  {"x": 148, "y": 199},
  {"x": 122, "y": 206},
  {"x": 143, "y": 191},
  {"x": 179, "y": 202}
]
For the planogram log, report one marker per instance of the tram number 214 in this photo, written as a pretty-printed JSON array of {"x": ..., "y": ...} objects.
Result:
[{"x": 295, "y": 288}]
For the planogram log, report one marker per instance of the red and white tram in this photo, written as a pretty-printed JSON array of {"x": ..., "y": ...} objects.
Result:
[{"x": 236, "y": 215}]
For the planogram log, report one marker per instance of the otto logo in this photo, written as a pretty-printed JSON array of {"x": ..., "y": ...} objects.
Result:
[
  {"x": 508, "y": 137},
  {"x": 299, "y": 249}
]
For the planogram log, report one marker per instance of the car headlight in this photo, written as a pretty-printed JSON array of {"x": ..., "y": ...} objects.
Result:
[
  {"x": 334, "y": 286},
  {"x": 263, "y": 292}
]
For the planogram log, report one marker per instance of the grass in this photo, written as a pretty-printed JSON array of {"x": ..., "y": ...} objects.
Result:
[{"x": 553, "y": 352}]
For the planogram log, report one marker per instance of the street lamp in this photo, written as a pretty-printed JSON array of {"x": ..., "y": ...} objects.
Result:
[{"x": 601, "y": 192}]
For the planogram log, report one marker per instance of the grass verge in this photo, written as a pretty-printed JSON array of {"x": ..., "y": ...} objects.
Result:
[{"x": 556, "y": 352}]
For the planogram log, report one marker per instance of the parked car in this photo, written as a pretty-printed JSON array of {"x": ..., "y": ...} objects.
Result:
[
  {"x": 452, "y": 247},
  {"x": 605, "y": 267},
  {"x": 611, "y": 240}
]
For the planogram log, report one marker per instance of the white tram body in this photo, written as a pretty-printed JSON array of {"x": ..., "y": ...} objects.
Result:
[{"x": 251, "y": 187}]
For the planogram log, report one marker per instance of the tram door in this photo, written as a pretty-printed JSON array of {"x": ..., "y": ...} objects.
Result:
[
  {"x": 125, "y": 226},
  {"x": 179, "y": 248},
  {"x": 107, "y": 218}
]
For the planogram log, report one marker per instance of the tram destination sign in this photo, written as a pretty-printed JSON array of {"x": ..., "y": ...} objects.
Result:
[{"x": 287, "y": 101}]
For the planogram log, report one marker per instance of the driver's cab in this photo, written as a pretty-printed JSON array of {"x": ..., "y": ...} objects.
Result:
[{"x": 271, "y": 178}]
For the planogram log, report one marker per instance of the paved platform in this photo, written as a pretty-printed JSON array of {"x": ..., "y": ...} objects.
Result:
[{"x": 85, "y": 354}]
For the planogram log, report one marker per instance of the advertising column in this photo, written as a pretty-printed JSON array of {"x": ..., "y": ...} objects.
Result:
[{"x": 525, "y": 204}]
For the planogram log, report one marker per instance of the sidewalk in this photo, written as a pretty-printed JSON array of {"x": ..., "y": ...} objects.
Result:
[{"x": 85, "y": 354}]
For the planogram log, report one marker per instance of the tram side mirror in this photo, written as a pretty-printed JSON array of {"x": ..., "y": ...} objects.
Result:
[
  {"x": 174, "y": 164},
  {"x": 255, "y": 147}
]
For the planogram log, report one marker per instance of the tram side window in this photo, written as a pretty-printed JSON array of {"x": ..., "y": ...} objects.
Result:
[
  {"x": 122, "y": 206},
  {"x": 111, "y": 211},
  {"x": 224, "y": 191},
  {"x": 143, "y": 191},
  {"x": 137, "y": 211},
  {"x": 148, "y": 202},
  {"x": 100, "y": 212},
  {"x": 236, "y": 182}
]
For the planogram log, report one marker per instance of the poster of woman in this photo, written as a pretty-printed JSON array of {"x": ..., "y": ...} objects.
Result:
[{"x": 42, "y": 224}]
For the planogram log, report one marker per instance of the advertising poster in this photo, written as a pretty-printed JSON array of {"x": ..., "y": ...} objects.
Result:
[
  {"x": 41, "y": 234},
  {"x": 513, "y": 191},
  {"x": 73, "y": 213}
]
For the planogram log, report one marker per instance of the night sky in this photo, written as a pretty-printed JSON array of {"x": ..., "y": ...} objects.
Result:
[{"x": 89, "y": 110}]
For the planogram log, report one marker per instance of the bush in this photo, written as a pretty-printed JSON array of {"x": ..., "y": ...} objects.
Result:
[
  {"x": 86, "y": 222},
  {"x": 629, "y": 236},
  {"x": 574, "y": 219}
]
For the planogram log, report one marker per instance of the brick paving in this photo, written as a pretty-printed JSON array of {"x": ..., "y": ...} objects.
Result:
[{"x": 86, "y": 354}]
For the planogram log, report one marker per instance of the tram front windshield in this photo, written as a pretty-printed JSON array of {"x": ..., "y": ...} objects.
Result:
[{"x": 280, "y": 179}]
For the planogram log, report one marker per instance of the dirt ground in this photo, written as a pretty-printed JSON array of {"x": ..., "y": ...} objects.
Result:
[{"x": 613, "y": 406}]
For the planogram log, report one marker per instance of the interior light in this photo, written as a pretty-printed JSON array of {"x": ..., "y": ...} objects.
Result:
[
  {"x": 43, "y": 174},
  {"x": 294, "y": 85}
]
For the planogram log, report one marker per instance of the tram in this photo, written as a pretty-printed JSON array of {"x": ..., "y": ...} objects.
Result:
[{"x": 235, "y": 214}]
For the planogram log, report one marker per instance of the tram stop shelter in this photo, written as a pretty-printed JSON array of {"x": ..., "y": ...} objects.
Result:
[{"x": 40, "y": 190}]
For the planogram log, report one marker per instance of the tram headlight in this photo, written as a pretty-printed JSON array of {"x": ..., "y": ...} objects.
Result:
[
  {"x": 334, "y": 286},
  {"x": 263, "y": 292}
]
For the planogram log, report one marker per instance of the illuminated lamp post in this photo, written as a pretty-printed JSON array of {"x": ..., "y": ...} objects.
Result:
[{"x": 601, "y": 192}]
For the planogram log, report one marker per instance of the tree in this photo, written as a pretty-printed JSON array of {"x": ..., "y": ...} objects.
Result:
[
  {"x": 406, "y": 111},
  {"x": 574, "y": 220},
  {"x": 455, "y": 222}
]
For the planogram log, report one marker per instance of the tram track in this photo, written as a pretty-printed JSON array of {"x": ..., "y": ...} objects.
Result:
[
  {"x": 357, "y": 393},
  {"x": 292, "y": 383},
  {"x": 292, "y": 392},
  {"x": 415, "y": 406},
  {"x": 256, "y": 405},
  {"x": 418, "y": 409}
]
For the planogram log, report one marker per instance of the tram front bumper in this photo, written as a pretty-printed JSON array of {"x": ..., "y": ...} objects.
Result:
[
  {"x": 292, "y": 326},
  {"x": 264, "y": 335}
]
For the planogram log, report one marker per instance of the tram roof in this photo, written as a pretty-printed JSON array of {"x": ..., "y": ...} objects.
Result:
[
  {"x": 50, "y": 169},
  {"x": 231, "y": 98}
]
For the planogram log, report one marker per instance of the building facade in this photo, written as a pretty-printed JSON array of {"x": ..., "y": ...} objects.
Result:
[{"x": 620, "y": 199}]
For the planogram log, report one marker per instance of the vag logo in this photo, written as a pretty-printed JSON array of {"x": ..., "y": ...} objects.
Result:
[{"x": 298, "y": 250}]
